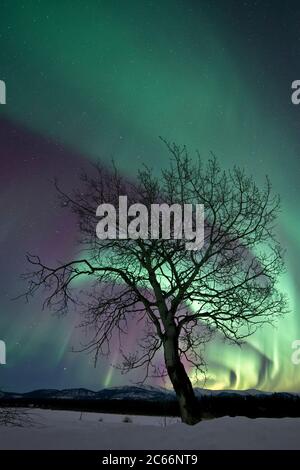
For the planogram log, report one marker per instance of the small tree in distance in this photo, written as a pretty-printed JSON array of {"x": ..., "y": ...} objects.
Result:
[{"x": 180, "y": 296}]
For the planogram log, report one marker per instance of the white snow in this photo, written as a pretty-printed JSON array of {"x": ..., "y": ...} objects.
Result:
[{"x": 71, "y": 430}]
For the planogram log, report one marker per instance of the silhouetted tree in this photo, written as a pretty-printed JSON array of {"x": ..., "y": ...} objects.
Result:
[{"x": 181, "y": 296}]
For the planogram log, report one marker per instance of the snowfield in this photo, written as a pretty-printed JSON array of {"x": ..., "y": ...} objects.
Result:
[{"x": 73, "y": 430}]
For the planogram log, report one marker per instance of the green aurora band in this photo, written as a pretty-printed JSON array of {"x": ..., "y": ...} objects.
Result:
[{"x": 107, "y": 80}]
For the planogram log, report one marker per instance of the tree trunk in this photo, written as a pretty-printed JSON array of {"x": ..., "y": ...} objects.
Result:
[{"x": 189, "y": 408}]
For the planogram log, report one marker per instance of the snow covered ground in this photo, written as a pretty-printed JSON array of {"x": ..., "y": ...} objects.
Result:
[{"x": 71, "y": 430}]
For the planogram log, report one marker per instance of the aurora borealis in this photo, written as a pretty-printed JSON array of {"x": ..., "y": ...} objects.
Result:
[{"x": 91, "y": 80}]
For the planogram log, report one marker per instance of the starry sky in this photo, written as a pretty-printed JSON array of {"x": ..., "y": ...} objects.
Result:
[{"x": 92, "y": 80}]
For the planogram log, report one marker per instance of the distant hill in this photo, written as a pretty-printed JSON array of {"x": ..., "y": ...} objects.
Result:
[
  {"x": 129, "y": 392},
  {"x": 156, "y": 401}
]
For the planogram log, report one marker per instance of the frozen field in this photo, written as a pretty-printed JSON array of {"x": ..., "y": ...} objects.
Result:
[{"x": 72, "y": 430}]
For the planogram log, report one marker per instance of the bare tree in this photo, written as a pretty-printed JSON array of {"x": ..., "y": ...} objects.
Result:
[{"x": 181, "y": 296}]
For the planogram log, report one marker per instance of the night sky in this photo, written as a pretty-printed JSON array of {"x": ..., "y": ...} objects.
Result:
[{"x": 92, "y": 80}]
